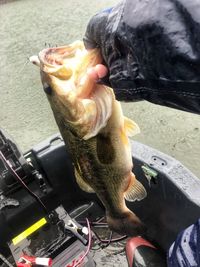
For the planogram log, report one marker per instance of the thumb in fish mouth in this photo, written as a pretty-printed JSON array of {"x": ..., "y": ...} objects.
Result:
[
  {"x": 127, "y": 224},
  {"x": 97, "y": 72}
]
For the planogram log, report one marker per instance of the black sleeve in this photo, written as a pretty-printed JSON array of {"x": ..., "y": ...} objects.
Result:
[{"x": 152, "y": 50}]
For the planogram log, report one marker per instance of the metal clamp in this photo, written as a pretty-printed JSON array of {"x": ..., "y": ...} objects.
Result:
[
  {"x": 29, "y": 261},
  {"x": 76, "y": 230},
  {"x": 5, "y": 202}
]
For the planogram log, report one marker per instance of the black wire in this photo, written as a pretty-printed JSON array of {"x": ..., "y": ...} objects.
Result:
[
  {"x": 22, "y": 183},
  {"x": 103, "y": 242},
  {"x": 109, "y": 240}
]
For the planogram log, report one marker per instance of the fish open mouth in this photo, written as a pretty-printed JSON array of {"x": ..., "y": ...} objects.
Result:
[
  {"x": 53, "y": 58},
  {"x": 64, "y": 70},
  {"x": 58, "y": 56},
  {"x": 61, "y": 61},
  {"x": 70, "y": 63}
]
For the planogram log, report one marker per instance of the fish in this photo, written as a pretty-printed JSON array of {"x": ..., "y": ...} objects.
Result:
[{"x": 95, "y": 131}]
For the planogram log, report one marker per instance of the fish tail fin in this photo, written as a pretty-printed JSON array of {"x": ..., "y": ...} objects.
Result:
[{"x": 126, "y": 224}]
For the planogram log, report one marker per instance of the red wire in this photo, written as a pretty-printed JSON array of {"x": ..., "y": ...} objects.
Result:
[{"x": 89, "y": 244}]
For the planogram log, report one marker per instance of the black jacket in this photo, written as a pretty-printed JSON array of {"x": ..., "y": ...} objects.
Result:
[{"x": 152, "y": 50}]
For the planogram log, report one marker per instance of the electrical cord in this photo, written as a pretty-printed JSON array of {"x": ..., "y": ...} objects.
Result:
[
  {"x": 89, "y": 244},
  {"x": 96, "y": 224},
  {"x": 105, "y": 241},
  {"x": 22, "y": 182},
  {"x": 108, "y": 240}
]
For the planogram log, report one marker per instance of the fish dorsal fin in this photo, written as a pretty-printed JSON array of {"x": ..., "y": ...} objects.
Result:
[
  {"x": 135, "y": 191},
  {"x": 131, "y": 127}
]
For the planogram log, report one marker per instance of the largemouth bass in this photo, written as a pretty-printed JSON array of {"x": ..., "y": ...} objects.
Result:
[{"x": 95, "y": 131}]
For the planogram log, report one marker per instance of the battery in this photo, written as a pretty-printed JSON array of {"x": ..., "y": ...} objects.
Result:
[
  {"x": 71, "y": 255},
  {"x": 47, "y": 240}
]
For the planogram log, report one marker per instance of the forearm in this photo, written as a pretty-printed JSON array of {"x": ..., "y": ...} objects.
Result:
[{"x": 152, "y": 51}]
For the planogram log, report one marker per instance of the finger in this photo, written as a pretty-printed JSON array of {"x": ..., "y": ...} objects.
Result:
[
  {"x": 97, "y": 72},
  {"x": 101, "y": 70},
  {"x": 92, "y": 73}
]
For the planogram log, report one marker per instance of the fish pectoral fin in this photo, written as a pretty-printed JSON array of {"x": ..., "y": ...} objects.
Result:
[
  {"x": 103, "y": 98},
  {"x": 82, "y": 184},
  {"x": 131, "y": 127},
  {"x": 135, "y": 191}
]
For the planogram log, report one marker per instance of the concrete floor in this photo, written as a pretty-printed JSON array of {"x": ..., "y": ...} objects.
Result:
[{"x": 25, "y": 27}]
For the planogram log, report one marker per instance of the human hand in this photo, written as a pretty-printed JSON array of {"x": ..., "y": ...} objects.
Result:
[
  {"x": 144, "y": 53},
  {"x": 98, "y": 72}
]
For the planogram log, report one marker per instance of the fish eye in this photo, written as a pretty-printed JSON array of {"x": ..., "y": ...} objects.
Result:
[{"x": 48, "y": 89}]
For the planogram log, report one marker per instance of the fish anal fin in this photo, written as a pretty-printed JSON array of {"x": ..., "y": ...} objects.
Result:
[
  {"x": 135, "y": 191},
  {"x": 82, "y": 184},
  {"x": 131, "y": 127}
]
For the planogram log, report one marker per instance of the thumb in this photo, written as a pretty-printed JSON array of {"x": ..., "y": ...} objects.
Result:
[{"x": 98, "y": 72}]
